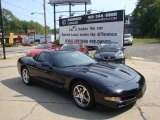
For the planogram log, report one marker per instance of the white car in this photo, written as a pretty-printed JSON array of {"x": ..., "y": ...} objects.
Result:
[{"x": 128, "y": 39}]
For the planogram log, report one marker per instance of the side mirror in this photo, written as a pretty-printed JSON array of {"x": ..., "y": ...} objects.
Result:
[{"x": 123, "y": 48}]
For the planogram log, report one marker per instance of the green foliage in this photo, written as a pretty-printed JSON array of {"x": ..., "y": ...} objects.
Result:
[
  {"x": 147, "y": 17},
  {"x": 8, "y": 45},
  {"x": 14, "y": 25},
  {"x": 146, "y": 40},
  {"x": 56, "y": 42},
  {"x": 11, "y": 45}
]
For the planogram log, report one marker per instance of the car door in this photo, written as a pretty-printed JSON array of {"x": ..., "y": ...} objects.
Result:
[{"x": 44, "y": 69}]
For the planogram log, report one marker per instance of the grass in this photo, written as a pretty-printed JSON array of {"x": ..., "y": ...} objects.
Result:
[
  {"x": 146, "y": 41},
  {"x": 91, "y": 53}
]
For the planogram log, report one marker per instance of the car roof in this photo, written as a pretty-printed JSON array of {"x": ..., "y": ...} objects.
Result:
[
  {"x": 127, "y": 34},
  {"x": 110, "y": 43}
]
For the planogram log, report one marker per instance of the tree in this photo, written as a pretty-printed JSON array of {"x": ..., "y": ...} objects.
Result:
[
  {"x": 147, "y": 17},
  {"x": 13, "y": 25}
]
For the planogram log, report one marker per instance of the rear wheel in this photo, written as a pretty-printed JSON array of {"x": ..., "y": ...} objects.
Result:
[
  {"x": 83, "y": 95},
  {"x": 26, "y": 76}
]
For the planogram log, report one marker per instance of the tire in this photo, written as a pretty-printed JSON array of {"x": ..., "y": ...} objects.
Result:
[
  {"x": 83, "y": 95},
  {"x": 26, "y": 76}
]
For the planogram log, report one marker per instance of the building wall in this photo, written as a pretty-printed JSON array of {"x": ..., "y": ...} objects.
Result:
[
  {"x": 41, "y": 38},
  {"x": 18, "y": 38}
]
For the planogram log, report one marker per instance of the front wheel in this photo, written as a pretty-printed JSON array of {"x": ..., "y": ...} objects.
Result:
[
  {"x": 83, "y": 95},
  {"x": 26, "y": 76}
]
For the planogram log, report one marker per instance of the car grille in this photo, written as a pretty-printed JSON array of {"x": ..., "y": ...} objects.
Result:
[{"x": 108, "y": 57}]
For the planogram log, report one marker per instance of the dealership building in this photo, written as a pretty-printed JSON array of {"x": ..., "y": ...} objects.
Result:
[{"x": 17, "y": 38}]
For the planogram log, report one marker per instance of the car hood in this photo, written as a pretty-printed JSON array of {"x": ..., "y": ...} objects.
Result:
[
  {"x": 109, "y": 55},
  {"x": 107, "y": 74}
]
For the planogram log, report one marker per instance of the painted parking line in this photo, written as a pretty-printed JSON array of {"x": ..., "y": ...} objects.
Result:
[{"x": 137, "y": 58}]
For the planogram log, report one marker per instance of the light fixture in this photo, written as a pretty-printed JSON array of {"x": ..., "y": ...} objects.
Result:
[{"x": 116, "y": 99}]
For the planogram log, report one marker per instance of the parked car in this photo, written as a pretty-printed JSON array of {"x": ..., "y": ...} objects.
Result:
[
  {"x": 75, "y": 47},
  {"x": 110, "y": 52},
  {"x": 42, "y": 47},
  {"x": 89, "y": 82},
  {"x": 128, "y": 39},
  {"x": 48, "y": 46}
]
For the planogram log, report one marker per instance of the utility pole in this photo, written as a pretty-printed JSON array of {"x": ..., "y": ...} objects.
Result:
[
  {"x": 55, "y": 32},
  {"x": 44, "y": 7},
  {"x": 2, "y": 31}
]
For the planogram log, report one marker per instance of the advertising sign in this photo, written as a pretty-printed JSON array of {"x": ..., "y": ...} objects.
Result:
[
  {"x": 93, "y": 29},
  {"x": 31, "y": 31},
  {"x": 11, "y": 38},
  {"x": 69, "y": 1}
]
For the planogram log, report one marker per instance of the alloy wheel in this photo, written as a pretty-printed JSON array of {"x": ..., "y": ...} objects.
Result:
[
  {"x": 81, "y": 95},
  {"x": 25, "y": 76}
]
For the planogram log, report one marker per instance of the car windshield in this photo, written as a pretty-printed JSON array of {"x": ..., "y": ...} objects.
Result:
[
  {"x": 44, "y": 46},
  {"x": 70, "y": 46},
  {"x": 110, "y": 47},
  {"x": 127, "y": 36},
  {"x": 69, "y": 59}
]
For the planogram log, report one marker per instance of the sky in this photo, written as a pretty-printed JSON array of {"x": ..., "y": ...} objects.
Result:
[{"x": 22, "y": 9}]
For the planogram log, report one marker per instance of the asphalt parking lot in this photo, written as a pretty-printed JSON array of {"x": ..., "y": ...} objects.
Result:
[
  {"x": 149, "y": 52},
  {"x": 37, "y": 102}
]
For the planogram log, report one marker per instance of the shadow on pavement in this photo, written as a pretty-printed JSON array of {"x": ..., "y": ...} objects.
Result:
[{"x": 57, "y": 101}]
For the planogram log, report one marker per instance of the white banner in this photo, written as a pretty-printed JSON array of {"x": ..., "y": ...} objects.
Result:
[{"x": 93, "y": 31}]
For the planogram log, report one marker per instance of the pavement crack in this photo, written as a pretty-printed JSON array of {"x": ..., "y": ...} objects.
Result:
[
  {"x": 141, "y": 112},
  {"x": 150, "y": 105},
  {"x": 31, "y": 111}
]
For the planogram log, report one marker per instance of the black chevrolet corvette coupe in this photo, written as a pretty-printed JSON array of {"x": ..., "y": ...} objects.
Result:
[{"x": 89, "y": 82}]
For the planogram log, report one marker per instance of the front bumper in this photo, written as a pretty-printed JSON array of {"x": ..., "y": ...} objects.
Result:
[
  {"x": 127, "y": 41},
  {"x": 118, "y": 61},
  {"x": 125, "y": 100}
]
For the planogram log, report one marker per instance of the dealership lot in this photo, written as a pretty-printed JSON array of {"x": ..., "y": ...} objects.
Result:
[
  {"x": 149, "y": 52},
  {"x": 18, "y": 101}
]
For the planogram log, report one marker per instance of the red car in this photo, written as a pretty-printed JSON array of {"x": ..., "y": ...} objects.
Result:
[
  {"x": 42, "y": 47},
  {"x": 75, "y": 47}
]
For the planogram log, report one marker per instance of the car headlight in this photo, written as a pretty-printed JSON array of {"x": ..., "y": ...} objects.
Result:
[
  {"x": 116, "y": 99},
  {"x": 97, "y": 56},
  {"x": 121, "y": 55}
]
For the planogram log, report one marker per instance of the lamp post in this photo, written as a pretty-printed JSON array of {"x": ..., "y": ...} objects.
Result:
[
  {"x": 55, "y": 32},
  {"x": 2, "y": 31},
  {"x": 44, "y": 8},
  {"x": 44, "y": 14}
]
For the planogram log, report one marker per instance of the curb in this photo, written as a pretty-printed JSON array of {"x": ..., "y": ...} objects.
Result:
[{"x": 12, "y": 55}]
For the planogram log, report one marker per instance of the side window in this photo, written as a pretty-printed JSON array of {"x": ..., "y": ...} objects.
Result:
[{"x": 45, "y": 57}]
